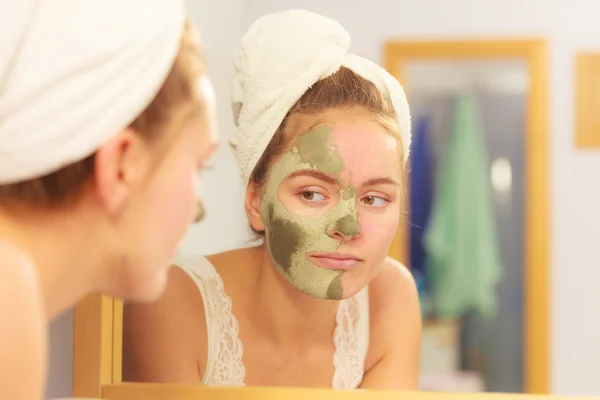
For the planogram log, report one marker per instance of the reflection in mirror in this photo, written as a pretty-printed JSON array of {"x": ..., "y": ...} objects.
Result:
[
  {"x": 318, "y": 303},
  {"x": 240, "y": 317},
  {"x": 467, "y": 220}
]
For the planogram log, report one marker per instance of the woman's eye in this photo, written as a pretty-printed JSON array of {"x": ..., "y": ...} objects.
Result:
[
  {"x": 374, "y": 201},
  {"x": 312, "y": 196}
]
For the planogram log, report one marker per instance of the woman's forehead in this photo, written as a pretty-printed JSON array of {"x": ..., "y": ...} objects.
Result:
[
  {"x": 348, "y": 137},
  {"x": 350, "y": 150}
]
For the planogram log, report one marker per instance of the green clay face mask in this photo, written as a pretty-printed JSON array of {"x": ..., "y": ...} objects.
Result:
[{"x": 291, "y": 238}]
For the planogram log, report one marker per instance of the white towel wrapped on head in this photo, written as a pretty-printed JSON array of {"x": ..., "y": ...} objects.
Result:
[
  {"x": 75, "y": 72},
  {"x": 279, "y": 58}
]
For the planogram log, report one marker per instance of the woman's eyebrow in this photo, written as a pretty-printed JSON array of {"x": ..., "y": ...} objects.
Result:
[
  {"x": 381, "y": 181},
  {"x": 315, "y": 174}
]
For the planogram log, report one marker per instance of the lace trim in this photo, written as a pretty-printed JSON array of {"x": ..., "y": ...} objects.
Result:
[
  {"x": 348, "y": 363},
  {"x": 227, "y": 368}
]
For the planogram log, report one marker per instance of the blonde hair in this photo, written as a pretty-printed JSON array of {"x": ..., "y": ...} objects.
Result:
[
  {"x": 343, "y": 89},
  {"x": 155, "y": 122}
]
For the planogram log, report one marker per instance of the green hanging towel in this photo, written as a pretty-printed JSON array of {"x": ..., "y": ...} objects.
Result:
[{"x": 463, "y": 258}]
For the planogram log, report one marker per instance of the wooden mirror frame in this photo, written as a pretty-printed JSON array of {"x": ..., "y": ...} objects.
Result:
[
  {"x": 97, "y": 352},
  {"x": 537, "y": 225}
]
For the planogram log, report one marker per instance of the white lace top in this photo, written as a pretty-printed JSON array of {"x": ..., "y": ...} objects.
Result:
[{"x": 224, "y": 366}]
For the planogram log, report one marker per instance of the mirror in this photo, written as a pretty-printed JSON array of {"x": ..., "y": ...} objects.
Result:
[
  {"x": 462, "y": 349},
  {"x": 477, "y": 144},
  {"x": 461, "y": 353}
]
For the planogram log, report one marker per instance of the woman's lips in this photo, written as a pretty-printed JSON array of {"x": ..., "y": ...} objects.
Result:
[{"x": 335, "y": 260}]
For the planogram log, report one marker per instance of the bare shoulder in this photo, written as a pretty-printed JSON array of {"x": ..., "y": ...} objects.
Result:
[
  {"x": 167, "y": 341},
  {"x": 23, "y": 346},
  {"x": 235, "y": 259},
  {"x": 236, "y": 266},
  {"x": 394, "y": 308},
  {"x": 164, "y": 341},
  {"x": 181, "y": 296},
  {"x": 392, "y": 285}
]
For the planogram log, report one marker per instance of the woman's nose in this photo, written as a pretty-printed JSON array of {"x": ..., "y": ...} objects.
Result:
[
  {"x": 344, "y": 228},
  {"x": 200, "y": 212}
]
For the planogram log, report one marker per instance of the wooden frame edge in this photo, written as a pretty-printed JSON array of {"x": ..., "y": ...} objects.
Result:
[
  {"x": 135, "y": 391},
  {"x": 585, "y": 101},
  {"x": 93, "y": 345}
]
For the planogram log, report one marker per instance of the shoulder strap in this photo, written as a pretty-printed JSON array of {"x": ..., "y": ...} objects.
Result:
[
  {"x": 198, "y": 267},
  {"x": 362, "y": 324},
  {"x": 351, "y": 340},
  {"x": 224, "y": 364},
  {"x": 201, "y": 270}
]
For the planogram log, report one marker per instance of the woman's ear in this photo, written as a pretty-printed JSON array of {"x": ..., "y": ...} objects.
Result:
[
  {"x": 253, "y": 208},
  {"x": 122, "y": 163}
]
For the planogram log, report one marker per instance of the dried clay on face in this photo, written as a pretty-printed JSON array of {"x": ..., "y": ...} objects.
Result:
[
  {"x": 290, "y": 237},
  {"x": 200, "y": 212}
]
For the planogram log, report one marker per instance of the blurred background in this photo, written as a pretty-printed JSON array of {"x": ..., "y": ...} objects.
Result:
[{"x": 472, "y": 128}]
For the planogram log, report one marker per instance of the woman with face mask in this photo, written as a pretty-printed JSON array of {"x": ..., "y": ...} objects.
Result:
[
  {"x": 321, "y": 144},
  {"x": 105, "y": 119}
]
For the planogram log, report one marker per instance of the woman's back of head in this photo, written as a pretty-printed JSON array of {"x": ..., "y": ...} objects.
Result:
[
  {"x": 106, "y": 117},
  {"x": 100, "y": 104}
]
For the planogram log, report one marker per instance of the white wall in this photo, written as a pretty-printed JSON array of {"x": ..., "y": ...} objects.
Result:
[
  {"x": 60, "y": 372},
  {"x": 225, "y": 226},
  {"x": 570, "y": 26}
]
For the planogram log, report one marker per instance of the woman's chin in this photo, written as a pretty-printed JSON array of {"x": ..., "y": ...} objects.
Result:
[{"x": 145, "y": 286}]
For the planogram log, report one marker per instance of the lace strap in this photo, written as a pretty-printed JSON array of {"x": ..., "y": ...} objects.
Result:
[
  {"x": 351, "y": 340},
  {"x": 224, "y": 365}
]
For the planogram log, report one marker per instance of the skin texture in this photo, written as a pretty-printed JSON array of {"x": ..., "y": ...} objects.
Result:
[
  {"x": 286, "y": 333},
  {"x": 290, "y": 237}
]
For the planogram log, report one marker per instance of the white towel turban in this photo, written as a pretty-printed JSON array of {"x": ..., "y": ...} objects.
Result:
[
  {"x": 279, "y": 58},
  {"x": 75, "y": 72}
]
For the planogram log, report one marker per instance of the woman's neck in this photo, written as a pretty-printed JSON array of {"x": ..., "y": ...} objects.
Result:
[
  {"x": 57, "y": 252},
  {"x": 289, "y": 316}
]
